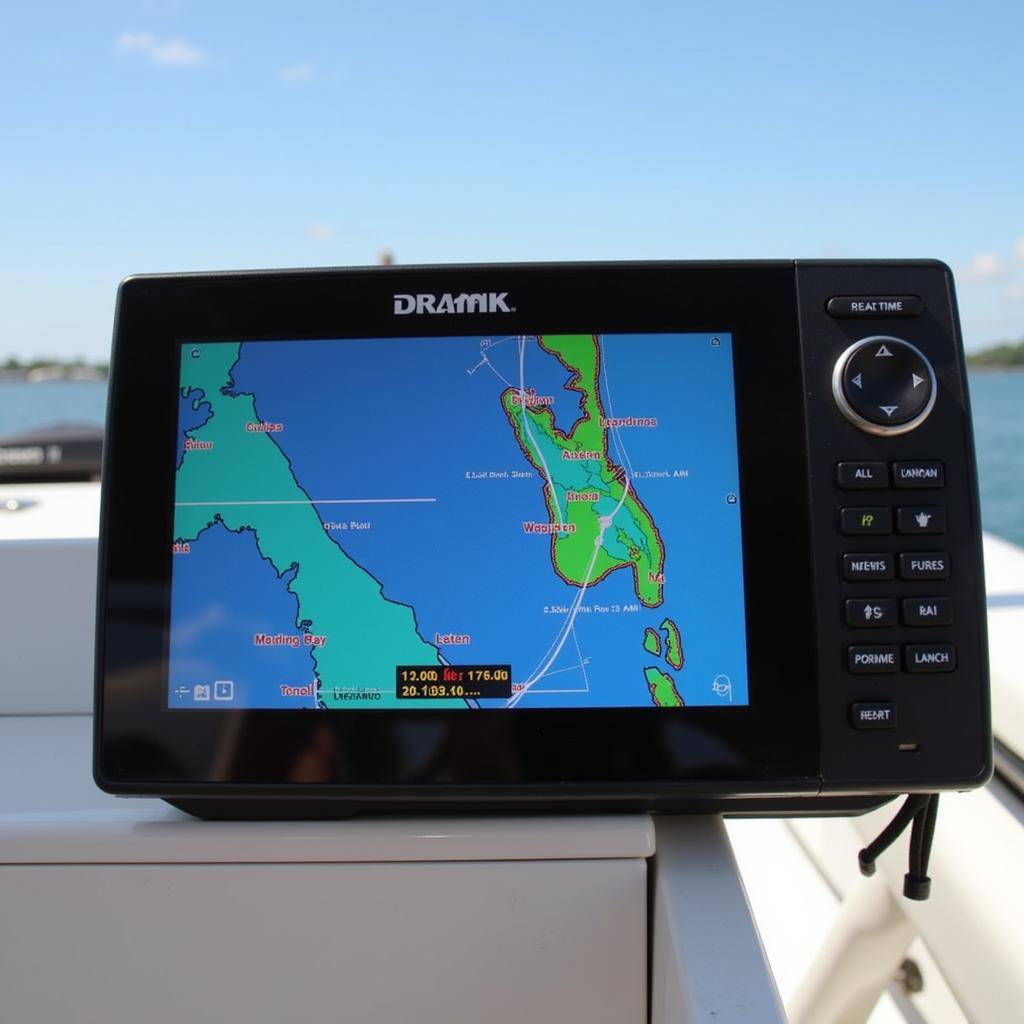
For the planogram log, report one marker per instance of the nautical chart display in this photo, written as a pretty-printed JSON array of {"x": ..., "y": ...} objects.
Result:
[{"x": 526, "y": 521}]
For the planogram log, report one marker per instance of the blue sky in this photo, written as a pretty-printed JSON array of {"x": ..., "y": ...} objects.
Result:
[{"x": 161, "y": 136}]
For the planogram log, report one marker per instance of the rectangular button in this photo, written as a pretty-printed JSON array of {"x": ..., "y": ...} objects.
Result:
[
  {"x": 868, "y": 567},
  {"x": 870, "y": 612},
  {"x": 873, "y": 715},
  {"x": 927, "y": 611},
  {"x": 930, "y": 657},
  {"x": 862, "y": 476},
  {"x": 874, "y": 305},
  {"x": 924, "y": 565},
  {"x": 857, "y": 521},
  {"x": 922, "y": 519},
  {"x": 862, "y": 659},
  {"x": 918, "y": 474}
]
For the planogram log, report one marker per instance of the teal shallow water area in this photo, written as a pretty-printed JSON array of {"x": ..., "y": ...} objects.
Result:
[{"x": 997, "y": 399}]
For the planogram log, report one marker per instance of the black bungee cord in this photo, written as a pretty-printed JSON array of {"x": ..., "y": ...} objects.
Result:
[{"x": 922, "y": 810}]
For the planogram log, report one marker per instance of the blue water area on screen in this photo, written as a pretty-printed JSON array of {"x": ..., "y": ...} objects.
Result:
[
  {"x": 225, "y": 593},
  {"x": 366, "y": 422}
]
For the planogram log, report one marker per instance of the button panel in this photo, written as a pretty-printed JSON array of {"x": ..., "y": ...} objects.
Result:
[
  {"x": 897, "y": 617},
  {"x": 938, "y": 737}
]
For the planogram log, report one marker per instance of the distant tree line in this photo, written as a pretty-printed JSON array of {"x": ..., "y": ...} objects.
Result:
[
  {"x": 24, "y": 366},
  {"x": 998, "y": 355}
]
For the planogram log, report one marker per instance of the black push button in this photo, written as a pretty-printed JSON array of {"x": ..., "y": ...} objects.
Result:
[
  {"x": 874, "y": 305},
  {"x": 862, "y": 659},
  {"x": 927, "y": 611},
  {"x": 861, "y": 476},
  {"x": 857, "y": 521},
  {"x": 868, "y": 567},
  {"x": 930, "y": 657},
  {"x": 924, "y": 565},
  {"x": 873, "y": 715},
  {"x": 884, "y": 385},
  {"x": 928, "y": 519},
  {"x": 918, "y": 474},
  {"x": 870, "y": 612}
]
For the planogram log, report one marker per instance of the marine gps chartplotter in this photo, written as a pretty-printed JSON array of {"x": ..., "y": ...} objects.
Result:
[{"x": 638, "y": 535}]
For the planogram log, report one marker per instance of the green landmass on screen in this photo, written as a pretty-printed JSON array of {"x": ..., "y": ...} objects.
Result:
[
  {"x": 631, "y": 539},
  {"x": 998, "y": 357},
  {"x": 367, "y": 634},
  {"x": 673, "y": 644},
  {"x": 663, "y": 688},
  {"x": 652, "y": 642}
]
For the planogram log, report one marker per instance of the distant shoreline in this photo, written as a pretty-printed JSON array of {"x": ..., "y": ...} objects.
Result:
[
  {"x": 47, "y": 373},
  {"x": 1007, "y": 356}
]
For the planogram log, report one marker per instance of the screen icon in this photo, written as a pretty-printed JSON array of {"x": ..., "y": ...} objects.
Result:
[
  {"x": 721, "y": 686},
  {"x": 201, "y": 691},
  {"x": 223, "y": 689}
]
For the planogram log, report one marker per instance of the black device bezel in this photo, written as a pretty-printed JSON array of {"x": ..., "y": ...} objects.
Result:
[{"x": 615, "y": 757}]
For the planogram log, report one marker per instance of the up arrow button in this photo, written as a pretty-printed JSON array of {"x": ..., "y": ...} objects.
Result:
[{"x": 883, "y": 352}]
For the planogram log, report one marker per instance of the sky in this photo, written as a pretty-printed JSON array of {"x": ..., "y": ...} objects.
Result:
[{"x": 158, "y": 135}]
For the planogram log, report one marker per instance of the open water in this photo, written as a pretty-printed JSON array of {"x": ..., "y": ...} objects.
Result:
[{"x": 997, "y": 399}]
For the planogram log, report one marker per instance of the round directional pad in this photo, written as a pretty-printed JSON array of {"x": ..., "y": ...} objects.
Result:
[{"x": 884, "y": 385}]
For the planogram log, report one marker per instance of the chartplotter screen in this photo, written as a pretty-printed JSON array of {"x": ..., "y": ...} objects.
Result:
[{"x": 501, "y": 522}]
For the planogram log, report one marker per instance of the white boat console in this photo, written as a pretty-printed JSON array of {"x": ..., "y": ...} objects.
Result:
[{"x": 151, "y": 914}]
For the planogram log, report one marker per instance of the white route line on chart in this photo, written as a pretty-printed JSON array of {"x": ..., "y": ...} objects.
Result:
[{"x": 311, "y": 501}]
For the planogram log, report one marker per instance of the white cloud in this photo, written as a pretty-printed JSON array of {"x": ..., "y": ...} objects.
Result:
[
  {"x": 295, "y": 74},
  {"x": 1018, "y": 248},
  {"x": 1015, "y": 292},
  {"x": 321, "y": 232},
  {"x": 984, "y": 266},
  {"x": 168, "y": 52}
]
